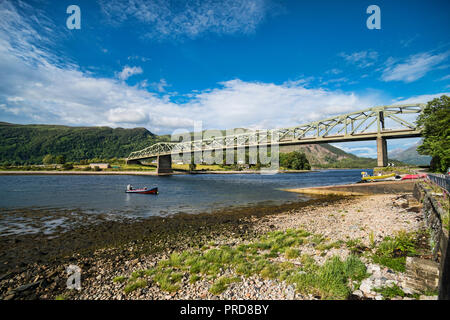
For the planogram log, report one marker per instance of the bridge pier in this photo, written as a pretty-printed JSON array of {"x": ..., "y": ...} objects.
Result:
[
  {"x": 382, "y": 158},
  {"x": 164, "y": 165}
]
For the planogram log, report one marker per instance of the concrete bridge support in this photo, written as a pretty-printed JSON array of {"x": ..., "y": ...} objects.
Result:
[
  {"x": 164, "y": 165},
  {"x": 382, "y": 152}
]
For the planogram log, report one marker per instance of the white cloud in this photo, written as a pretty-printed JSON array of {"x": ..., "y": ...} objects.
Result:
[
  {"x": 413, "y": 68},
  {"x": 128, "y": 72},
  {"x": 174, "y": 19},
  {"x": 362, "y": 59},
  {"x": 334, "y": 71},
  {"x": 424, "y": 98},
  {"x": 15, "y": 99},
  {"x": 358, "y": 148}
]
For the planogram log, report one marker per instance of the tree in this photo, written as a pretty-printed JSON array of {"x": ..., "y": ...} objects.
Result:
[
  {"x": 435, "y": 125},
  {"x": 61, "y": 159},
  {"x": 294, "y": 160},
  {"x": 48, "y": 159}
]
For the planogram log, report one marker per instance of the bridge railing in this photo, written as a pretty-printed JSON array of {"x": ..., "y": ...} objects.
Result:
[{"x": 441, "y": 180}]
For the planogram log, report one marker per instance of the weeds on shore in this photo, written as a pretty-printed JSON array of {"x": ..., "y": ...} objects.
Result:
[
  {"x": 389, "y": 292},
  {"x": 266, "y": 258},
  {"x": 330, "y": 280},
  {"x": 392, "y": 252},
  {"x": 260, "y": 258}
]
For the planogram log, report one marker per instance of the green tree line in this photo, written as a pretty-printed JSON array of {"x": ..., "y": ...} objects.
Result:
[{"x": 29, "y": 144}]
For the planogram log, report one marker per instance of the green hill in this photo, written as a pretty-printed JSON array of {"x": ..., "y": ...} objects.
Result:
[
  {"x": 28, "y": 144},
  {"x": 410, "y": 156},
  {"x": 325, "y": 155}
]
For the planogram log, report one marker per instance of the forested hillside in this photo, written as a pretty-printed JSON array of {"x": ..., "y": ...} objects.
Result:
[{"x": 28, "y": 144}]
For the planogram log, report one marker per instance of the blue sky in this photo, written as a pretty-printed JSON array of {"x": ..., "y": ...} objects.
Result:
[{"x": 164, "y": 65}]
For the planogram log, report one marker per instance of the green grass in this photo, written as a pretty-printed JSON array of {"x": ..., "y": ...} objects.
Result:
[
  {"x": 329, "y": 281},
  {"x": 140, "y": 283},
  {"x": 328, "y": 246},
  {"x": 119, "y": 279},
  {"x": 292, "y": 253},
  {"x": 221, "y": 284},
  {"x": 389, "y": 292},
  {"x": 392, "y": 252}
]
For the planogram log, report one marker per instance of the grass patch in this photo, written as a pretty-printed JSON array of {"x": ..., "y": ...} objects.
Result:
[
  {"x": 390, "y": 292},
  {"x": 328, "y": 246},
  {"x": 292, "y": 253},
  {"x": 392, "y": 252},
  {"x": 119, "y": 279},
  {"x": 140, "y": 283},
  {"x": 330, "y": 281},
  {"x": 222, "y": 284}
]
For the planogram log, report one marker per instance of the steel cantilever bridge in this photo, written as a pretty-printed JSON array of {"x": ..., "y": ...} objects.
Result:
[{"x": 378, "y": 123}]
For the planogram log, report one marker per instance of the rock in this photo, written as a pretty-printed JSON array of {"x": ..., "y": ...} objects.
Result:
[
  {"x": 423, "y": 297},
  {"x": 391, "y": 283},
  {"x": 9, "y": 297},
  {"x": 379, "y": 297},
  {"x": 372, "y": 268},
  {"x": 366, "y": 286},
  {"x": 407, "y": 290},
  {"x": 358, "y": 293},
  {"x": 27, "y": 286}
]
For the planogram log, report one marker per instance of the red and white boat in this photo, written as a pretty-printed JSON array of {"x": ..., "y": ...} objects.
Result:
[
  {"x": 414, "y": 176},
  {"x": 143, "y": 191}
]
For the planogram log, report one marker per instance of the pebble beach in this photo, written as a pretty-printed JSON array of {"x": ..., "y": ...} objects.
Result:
[{"x": 336, "y": 221}]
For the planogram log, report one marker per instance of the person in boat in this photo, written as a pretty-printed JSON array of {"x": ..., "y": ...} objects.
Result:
[{"x": 129, "y": 187}]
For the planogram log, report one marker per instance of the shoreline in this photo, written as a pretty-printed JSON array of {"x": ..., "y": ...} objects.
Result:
[
  {"x": 150, "y": 173},
  {"x": 117, "y": 250}
]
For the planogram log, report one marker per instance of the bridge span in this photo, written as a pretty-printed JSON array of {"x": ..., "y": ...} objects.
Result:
[{"x": 377, "y": 123}]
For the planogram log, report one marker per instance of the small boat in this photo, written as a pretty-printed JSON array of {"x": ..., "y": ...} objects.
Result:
[
  {"x": 143, "y": 191},
  {"x": 382, "y": 177},
  {"x": 414, "y": 176}
]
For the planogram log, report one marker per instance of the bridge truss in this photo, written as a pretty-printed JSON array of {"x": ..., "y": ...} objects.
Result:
[{"x": 395, "y": 121}]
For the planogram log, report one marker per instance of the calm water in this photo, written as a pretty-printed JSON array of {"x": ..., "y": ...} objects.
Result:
[{"x": 178, "y": 193}]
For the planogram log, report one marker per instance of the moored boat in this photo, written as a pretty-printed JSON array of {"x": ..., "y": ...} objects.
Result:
[
  {"x": 143, "y": 191},
  {"x": 382, "y": 177},
  {"x": 414, "y": 176}
]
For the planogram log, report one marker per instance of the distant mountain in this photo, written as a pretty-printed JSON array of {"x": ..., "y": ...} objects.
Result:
[
  {"x": 410, "y": 156},
  {"x": 327, "y": 156},
  {"x": 28, "y": 144}
]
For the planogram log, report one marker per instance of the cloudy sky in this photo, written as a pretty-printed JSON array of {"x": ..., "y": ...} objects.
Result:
[{"x": 165, "y": 64}]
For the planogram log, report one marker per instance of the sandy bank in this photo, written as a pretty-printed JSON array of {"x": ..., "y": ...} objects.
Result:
[{"x": 358, "y": 189}]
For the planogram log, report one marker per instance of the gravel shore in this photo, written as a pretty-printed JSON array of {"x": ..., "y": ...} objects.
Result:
[{"x": 337, "y": 220}]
